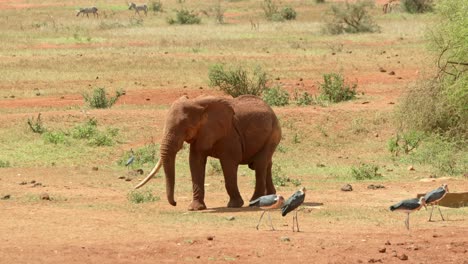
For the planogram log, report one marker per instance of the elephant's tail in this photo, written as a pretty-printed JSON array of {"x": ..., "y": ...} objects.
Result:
[{"x": 150, "y": 175}]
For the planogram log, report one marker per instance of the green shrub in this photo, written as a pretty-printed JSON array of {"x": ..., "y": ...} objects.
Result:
[
  {"x": 288, "y": 13},
  {"x": 144, "y": 155},
  {"x": 270, "y": 9},
  {"x": 280, "y": 179},
  {"x": 296, "y": 138},
  {"x": 156, "y": 6},
  {"x": 296, "y": 182},
  {"x": 445, "y": 155},
  {"x": 276, "y": 96},
  {"x": 358, "y": 126},
  {"x": 219, "y": 13},
  {"x": 98, "y": 99},
  {"x": 185, "y": 17},
  {"x": 236, "y": 81},
  {"x": 4, "y": 164},
  {"x": 36, "y": 125},
  {"x": 215, "y": 167},
  {"x": 319, "y": 1},
  {"x": 417, "y": 6},
  {"x": 54, "y": 137},
  {"x": 365, "y": 172},
  {"x": 440, "y": 105},
  {"x": 86, "y": 130},
  {"x": 405, "y": 142},
  {"x": 136, "y": 22},
  {"x": 302, "y": 99},
  {"x": 101, "y": 139},
  {"x": 351, "y": 18},
  {"x": 334, "y": 89},
  {"x": 138, "y": 197}
]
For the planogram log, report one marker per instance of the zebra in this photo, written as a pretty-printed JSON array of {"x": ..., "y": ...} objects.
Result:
[
  {"x": 87, "y": 11},
  {"x": 138, "y": 8}
]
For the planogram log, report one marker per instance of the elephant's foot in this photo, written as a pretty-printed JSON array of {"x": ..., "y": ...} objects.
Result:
[
  {"x": 196, "y": 206},
  {"x": 235, "y": 203}
]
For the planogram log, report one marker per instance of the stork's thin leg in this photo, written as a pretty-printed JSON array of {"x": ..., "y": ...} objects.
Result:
[
  {"x": 260, "y": 219},
  {"x": 297, "y": 222},
  {"x": 271, "y": 224},
  {"x": 293, "y": 224},
  {"x": 438, "y": 206},
  {"x": 407, "y": 221},
  {"x": 430, "y": 216}
]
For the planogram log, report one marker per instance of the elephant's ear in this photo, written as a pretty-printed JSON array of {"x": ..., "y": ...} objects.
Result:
[{"x": 216, "y": 121}]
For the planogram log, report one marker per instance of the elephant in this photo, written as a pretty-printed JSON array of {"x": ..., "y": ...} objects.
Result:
[{"x": 241, "y": 130}]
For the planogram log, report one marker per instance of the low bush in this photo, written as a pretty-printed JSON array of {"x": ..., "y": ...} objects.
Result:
[
  {"x": 138, "y": 197},
  {"x": 334, "y": 89},
  {"x": 144, "y": 155},
  {"x": 405, "y": 142},
  {"x": 443, "y": 154},
  {"x": 54, "y": 137},
  {"x": 365, "y": 172},
  {"x": 417, "y": 6},
  {"x": 219, "y": 13},
  {"x": 98, "y": 98},
  {"x": 351, "y": 18},
  {"x": 86, "y": 130},
  {"x": 184, "y": 17},
  {"x": 101, "y": 139},
  {"x": 270, "y": 9},
  {"x": 288, "y": 13},
  {"x": 156, "y": 6},
  {"x": 272, "y": 12},
  {"x": 215, "y": 167},
  {"x": 36, "y": 125},
  {"x": 4, "y": 164},
  {"x": 238, "y": 81},
  {"x": 276, "y": 96},
  {"x": 302, "y": 99}
]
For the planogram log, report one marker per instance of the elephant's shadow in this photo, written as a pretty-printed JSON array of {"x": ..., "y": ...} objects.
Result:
[{"x": 250, "y": 209}]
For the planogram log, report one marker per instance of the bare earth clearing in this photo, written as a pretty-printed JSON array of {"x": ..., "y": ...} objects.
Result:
[{"x": 89, "y": 218}]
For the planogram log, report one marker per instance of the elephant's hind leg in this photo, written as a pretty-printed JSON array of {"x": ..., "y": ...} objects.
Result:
[
  {"x": 270, "y": 187},
  {"x": 230, "y": 179}
]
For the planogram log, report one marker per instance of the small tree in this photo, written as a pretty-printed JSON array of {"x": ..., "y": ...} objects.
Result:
[
  {"x": 156, "y": 6},
  {"x": 270, "y": 9},
  {"x": 236, "y": 81},
  {"x": 276, "y": 96},
  {"x": 98, "y": 99},
  {"x": 351, "y": 18},
  {"x": 36, "y": 125},
  {"x": 288, "y": 13},
  {"x": 334, "y": 89},
  {"x": 417, "y": 6},
  {"x": 185, "y": 17},
  {"x": 219, "y": 13}
]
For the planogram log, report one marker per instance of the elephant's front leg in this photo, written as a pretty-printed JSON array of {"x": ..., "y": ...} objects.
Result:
[
  {"x": 230, "y": 179},
  {"x": 197, "y": 170}
]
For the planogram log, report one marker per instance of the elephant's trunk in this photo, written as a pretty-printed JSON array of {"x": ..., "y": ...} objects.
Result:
[
  {"x": 169, "y": 148},
  {"x": 170, "y": 145}
]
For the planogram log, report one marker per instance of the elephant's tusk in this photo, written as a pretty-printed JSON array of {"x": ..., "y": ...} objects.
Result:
[{"x": 150, "y": 175}]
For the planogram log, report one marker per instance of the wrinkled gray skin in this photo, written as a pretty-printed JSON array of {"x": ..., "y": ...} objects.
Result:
[{"x": 243, "y": 130}]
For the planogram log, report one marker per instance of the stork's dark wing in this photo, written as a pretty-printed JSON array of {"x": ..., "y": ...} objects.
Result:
[
  {"x": 266, "y": 200},
  {"x": 434, "y": 195},
  {"x": 293, "y": 202},
  {"x": 410, "y": 204}
]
